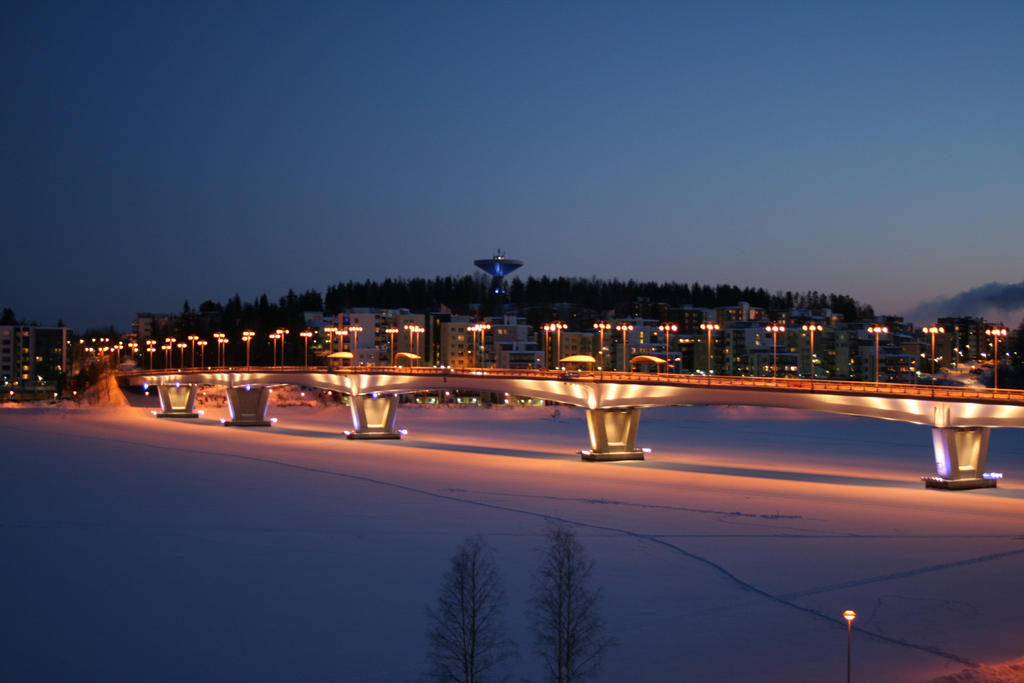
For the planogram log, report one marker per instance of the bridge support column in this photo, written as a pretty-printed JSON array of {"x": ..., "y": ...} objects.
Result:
[
  {"x": 374, "y": 417},
  {"x": 613, "y": 434},
  {"x": 248, "y": 406},
  {"x": 177, "y": 400},
  {"x": 960, "y": 454}
]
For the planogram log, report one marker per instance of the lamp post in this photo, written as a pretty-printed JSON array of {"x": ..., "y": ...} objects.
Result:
[
  {"x": 483, "y": 327},
  {"x": 247, "y": 336},
  {"x": 668, "y": 330},
  {"x": 181, "y": 347},
  {"x": 281, "y": 332},
  {"x": 601, "y": 328},
  {"x": 331, "y": 331},
  {"x": 811, "y": 328},
  {"x": 996, "y": 333},
  {"x": 169, "y": 343},
  {"x": 221, "y": 340},
  {"x": 548, "y": 329},
  {"x": 413, "y": 331},
  {"x": 354, "y": 330},
  {"x": 150, "y": 348},
  {"x": 933, "y": 330},
  {"x": 775, "y": 329},
  {"x": 710, "y": 327},
  {"x": 877, "y": 330},
  {"x": 849, "y": 615},
  {"x": 472, "y": 329},
  {"x": 192, "y": 352},
  {"x": 558, "y": 327},
  {"x": 202, "y": 352},
  {"x": 392, "y": 331},
  {"x": 624, "y": 328},
  {"x": 305, "y": 334}
]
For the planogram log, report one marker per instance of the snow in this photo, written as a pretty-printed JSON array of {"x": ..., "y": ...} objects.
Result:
[{"x": 137, "y": 548}]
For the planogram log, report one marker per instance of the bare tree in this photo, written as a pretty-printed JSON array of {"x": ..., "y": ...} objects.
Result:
[
  {"x": 467, "y": 640},
  {"x": 569, "y": 633}
]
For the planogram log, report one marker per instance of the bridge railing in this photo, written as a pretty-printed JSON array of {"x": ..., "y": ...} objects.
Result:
[{"x": 702, "y": 381}]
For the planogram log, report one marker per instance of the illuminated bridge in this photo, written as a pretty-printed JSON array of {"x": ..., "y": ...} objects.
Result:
[{"x": 961, "y": 418}]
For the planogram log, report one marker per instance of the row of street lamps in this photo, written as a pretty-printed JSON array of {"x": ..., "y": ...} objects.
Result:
[{"x": 279, "y": 334}]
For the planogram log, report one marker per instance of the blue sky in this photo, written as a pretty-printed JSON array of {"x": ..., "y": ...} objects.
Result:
[{"x": 157, "y": 152}]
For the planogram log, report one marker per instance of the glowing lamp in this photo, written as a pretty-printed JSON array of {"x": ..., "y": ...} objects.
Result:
[{"x": 849, "y": 615}]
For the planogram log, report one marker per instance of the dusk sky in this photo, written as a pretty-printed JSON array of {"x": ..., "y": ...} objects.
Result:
[{"x": 158, "y": 152}]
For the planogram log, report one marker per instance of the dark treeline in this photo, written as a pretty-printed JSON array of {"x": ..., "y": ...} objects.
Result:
[
  {"x": 459, "y": 294},
  {"x": 587, "y": 298}
]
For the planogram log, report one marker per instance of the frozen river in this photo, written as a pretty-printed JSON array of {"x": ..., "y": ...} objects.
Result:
[{"x": 145, "y": 549}]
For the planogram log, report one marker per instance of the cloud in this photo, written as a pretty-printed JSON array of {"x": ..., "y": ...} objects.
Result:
[{"x": 996, "y": 301}]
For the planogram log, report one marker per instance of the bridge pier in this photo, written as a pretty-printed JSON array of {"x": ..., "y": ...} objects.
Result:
[
  {"x": 373, "y": 417},
  {"x": 613, "y": 434},
  {"x": 960, "y": 454},
  {"x": 248, "y": 406},
  {"x": 177, "y": 400}
]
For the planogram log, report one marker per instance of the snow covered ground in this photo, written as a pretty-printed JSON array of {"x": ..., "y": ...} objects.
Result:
[{"x": 144, "y": 549}]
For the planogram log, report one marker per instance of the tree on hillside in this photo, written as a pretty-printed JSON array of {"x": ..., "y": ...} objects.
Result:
[
  {"x": 466, "y": 634},
  {"x": 570, "y": 636}
]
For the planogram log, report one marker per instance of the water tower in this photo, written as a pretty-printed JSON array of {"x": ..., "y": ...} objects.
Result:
[{"x": 498, "y": 267}]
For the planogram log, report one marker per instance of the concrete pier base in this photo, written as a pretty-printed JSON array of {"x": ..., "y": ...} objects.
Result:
[
  {"x": 374, "y": 417},
  {"x": 248, "y": 406},
  {"x": 613, "y": 434},
  {"x": 960, "y": 454},
  {"x": 177, "y": 400}
]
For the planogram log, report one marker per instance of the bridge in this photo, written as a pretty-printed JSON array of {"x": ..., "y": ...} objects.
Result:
[{"x": 960, "y": 418}]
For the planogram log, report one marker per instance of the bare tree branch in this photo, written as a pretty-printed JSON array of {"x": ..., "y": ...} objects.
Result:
[
  {"x": 467, "y": 640},
  {"x": 569, "y": 632}
]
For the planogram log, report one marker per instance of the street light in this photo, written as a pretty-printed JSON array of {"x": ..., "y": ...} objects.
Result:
[
  {"x": 548, "y": 329},
  {"x": 473, "y": 329},
  {"x": 331, "y": 331},
  {"x": 222, "y": 339},
  {"x": 849, "y": 615},
  {"x": 354, "y": 330},
  {"x": 202, "y": 351},
  {"x": 169, "y": 344},
  {"x": 150, "y": 348},
  {"x": 933, "y": 330},
  {"x": 625, "y": 346},
  {"x": 305, "y": 346},
  {"x": 192, "y": 353},
  {"x": 281, "y": 333},
  {"x": 877, "y": 330},
  {"x": 668, "y": 330},
  {"x": 812, "y": 328},
  {"x": 181, "y": 347},
  {"x": 710, "y": 327},
  {"x": 414, "y": 346},
  {"x": 392, "y": 331},
  {"x": 775, "y": 329},
  {"x": 601, "y": 327},
  {"x": 557, "y": 328},
  {"x": 247, "y": 336},
  {"x": 273, "y": 337},
  {"x": 996, "y": 333},
  {"x": 483, "y": 327}
]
